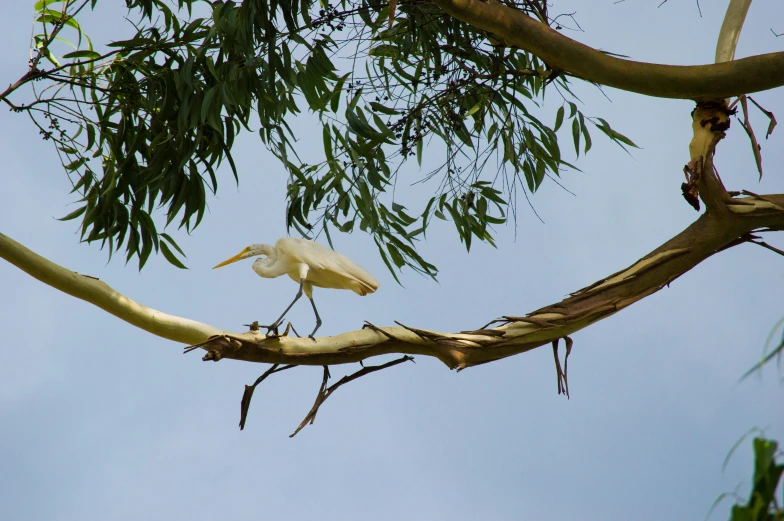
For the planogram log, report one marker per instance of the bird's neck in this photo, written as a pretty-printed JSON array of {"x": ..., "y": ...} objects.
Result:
[{"x": 269, "y": 266}]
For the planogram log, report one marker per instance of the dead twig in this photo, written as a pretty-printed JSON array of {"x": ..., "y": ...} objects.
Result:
[
  {"x": 561, "y": 374},
  {"x": 248, "y": 394},
  {"x": 770, "y": 115},
  {"x": 421, "y": 333},
  {"x": 389, "y": 336},
  {"x": 768, "y": 246},
  {"x": 212, "y": 340},
  {"x": 569, "y": 344},
  {"x": 502, "y": 321},
  {"x": 689, "y": 189},
  {"x": 325, "y": 392},
  {"x": 755, "y": 147}
]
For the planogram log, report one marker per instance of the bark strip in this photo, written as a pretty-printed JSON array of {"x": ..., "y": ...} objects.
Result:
[{"x": 714, "y": 231}]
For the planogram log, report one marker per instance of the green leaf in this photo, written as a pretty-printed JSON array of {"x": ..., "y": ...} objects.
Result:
[
  {"x": 73, "y": 215},
  {"x": 327, "y": 143},
  {"x": 397, "y": 258},
  {"x": 612, "y": 134},
  {"x": 360, "y": 127},
  {"x": 384, "y": 110},
  {"x": 166, "y": 237},
  {"x": 74, "y": 165},
  {"x": 386, "y": 260},
  {"x": 41, "y": 4},
  {"x": 585, "y": 133},
  {"x": 91, "y": 55},
  {"x": 389, "y": 51},
  {"x": 474, "y": 109},
  {"x": 576, "y": 136},
  {"x": 559, "y": 118},
  {"x": 170, "y": 256}
]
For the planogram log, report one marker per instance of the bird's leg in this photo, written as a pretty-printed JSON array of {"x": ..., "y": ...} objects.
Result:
[
  {"x": 318, "y": 319},
  {"x": 276, "y": 324}
]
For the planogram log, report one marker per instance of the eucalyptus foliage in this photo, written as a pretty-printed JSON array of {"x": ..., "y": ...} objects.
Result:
[{"x": 143, "y": 124}]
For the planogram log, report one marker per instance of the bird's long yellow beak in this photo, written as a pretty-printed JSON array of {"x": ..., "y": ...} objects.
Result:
[{"x": 237, "y": 257}]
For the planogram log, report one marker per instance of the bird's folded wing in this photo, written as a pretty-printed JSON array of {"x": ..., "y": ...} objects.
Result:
[{"x": 318, "y": 256}]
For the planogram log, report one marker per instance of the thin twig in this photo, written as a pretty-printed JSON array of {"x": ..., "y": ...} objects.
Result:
[
  {"x": 569, "y": 344},
  {"x": 193, "y": 347},
  {"x": 558, "y": 370},
  {"x": 325, "y": 392},
  {"x": 768, "y": 113},
  {"x": 755, "y": 147},
  {"x": 248, "y": 394},
  {"x": 502, "y": 321},
  {"x": 768, "y": 246},
  {"x": 389, "y": 336},
  {"x": 563, "y": 381}
]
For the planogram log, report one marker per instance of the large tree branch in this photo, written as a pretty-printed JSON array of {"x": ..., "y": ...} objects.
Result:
[
  {"x": 697, "y": 82},
  {"x": 730, "y": 30},
  {"x": 102, "y": 295},
  {"x": 712, "y": 232}
]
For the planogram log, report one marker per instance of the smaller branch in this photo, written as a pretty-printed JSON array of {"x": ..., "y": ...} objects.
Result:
[
  {"x": 558, "y": 370},
  {"x": 730, "y": 30},
  {"x": 710, "y": 121},
  {"x": 755, "y": 147},
  {"x": 768, "y": 113},
  {"x": 563, "y": 381},
  {"x": 368, "y": 325},
  {"x": 248, "y": 394},
  {"x": 768, "y": 246},
  {"x": 28, "y": 76},
  {"x": 33, "y": 71},
  {"x": 502, "y": 321},
  {"x": 325, "y": 392},
  {"x": 569, "y": 344},
  {"x": 217, "y": 347}
]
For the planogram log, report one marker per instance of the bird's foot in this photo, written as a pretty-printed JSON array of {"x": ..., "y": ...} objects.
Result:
[
  {"x": 318, "y": 325},
  {"x": 272, "y": 330}
]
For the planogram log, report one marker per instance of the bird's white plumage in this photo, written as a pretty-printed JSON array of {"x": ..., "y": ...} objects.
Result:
[
  {"x": 326, "y": 268},
  {"x": 309, "y": 264}
]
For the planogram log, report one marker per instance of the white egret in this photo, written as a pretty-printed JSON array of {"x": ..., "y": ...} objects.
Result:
[{"x": 310, "y": 264}]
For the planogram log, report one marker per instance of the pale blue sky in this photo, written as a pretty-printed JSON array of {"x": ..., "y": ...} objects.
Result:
[{"x": 99, "y": 420}]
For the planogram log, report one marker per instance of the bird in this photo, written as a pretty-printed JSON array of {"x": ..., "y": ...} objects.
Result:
[{"x": 310, "y": 264}]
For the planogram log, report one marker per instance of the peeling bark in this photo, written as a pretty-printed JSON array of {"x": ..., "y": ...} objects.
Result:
[{"x": 724, "y": 225}]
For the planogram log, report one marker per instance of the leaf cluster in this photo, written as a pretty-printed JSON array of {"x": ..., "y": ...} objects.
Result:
[
  {"x": 762, "y": 504},
  {"x": 143, "y": 126}
]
